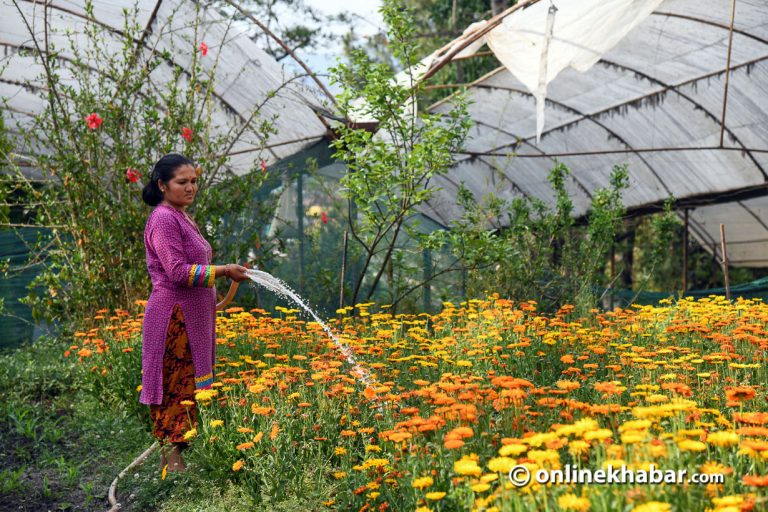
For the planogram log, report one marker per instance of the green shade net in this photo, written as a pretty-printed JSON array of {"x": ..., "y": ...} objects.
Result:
[
  {"x": 16, "y": 325},
  {"x": 757, "y": 289}
]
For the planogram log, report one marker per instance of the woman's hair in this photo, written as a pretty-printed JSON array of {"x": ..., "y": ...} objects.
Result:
[{"x": 164, "y": 170}]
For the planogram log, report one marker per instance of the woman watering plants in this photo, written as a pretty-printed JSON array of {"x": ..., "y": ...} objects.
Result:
[{"x": 179, "y": 334}]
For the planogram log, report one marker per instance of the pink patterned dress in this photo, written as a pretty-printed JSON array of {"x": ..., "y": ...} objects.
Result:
[{"x": 179, "y": 264}]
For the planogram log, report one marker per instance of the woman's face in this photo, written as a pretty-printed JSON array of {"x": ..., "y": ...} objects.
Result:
[{"x": 180, "y": 191}]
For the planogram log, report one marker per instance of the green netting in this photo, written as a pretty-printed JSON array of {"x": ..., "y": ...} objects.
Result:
[
  {"x": 17, "y": 325},
  {"x": 751, "y": 290}
]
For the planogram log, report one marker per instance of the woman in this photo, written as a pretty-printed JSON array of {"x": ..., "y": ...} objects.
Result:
[{"x": 179, "y": 334}]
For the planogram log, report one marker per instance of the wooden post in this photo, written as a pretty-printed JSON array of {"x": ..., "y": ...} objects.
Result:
[
  {"x": 612, "y": 275},
  {"x": 427, "y": 272},
  {"x": 727, "y": 72},
  {"x": 685, "y": 250},
  {"x": 300, "y": 226},
  {"x": 343, "y": 270},
  {"x": 725, "y": 262}
]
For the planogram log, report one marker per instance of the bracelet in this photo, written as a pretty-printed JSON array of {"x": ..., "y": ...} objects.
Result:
[{"x": 226, "y": 270}]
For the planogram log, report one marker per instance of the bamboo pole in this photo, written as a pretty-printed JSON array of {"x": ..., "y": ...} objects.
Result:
[
  {"x": 612, "y": 273},
  {"x": 725, "y": 262},
  {"x": 727, "y": 72},
  {"x": 685, "y": 250},
  {"x": 343, "y": 269}
]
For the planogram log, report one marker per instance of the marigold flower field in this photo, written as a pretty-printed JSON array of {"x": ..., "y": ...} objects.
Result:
[{"x": 464, "y": 395}]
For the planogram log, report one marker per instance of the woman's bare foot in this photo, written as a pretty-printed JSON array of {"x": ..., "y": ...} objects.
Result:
[{"x": 174, "y": 460}]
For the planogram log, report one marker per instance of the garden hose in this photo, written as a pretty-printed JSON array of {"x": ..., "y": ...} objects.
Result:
[
  {"x": 115, "y": 506},
  {"x": 113, "y": 488}
]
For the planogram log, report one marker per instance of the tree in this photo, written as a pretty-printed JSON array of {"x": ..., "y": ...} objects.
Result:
[
  {"x": 389, "y": 174},
  {"x": 299, "y": 25},
  {"x": 106, "y": 121}
]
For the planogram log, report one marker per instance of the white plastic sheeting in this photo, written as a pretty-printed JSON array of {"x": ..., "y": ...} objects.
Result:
[
  {"x": 654, "y": 102},
  {"x": 245, "y": 75}
]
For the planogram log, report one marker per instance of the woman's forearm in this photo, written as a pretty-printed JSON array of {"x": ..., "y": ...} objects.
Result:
[{"x": 224, "y": 270}]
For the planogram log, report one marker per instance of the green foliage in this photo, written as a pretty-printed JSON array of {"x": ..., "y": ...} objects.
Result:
[
  {"x": 95, "y": 248},
  {"x": 389, "y": 174},
  {"x": 541, "y": 254}
]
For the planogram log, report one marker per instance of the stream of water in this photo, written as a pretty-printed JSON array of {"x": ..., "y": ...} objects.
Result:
[{"x": 279, "y": 287}]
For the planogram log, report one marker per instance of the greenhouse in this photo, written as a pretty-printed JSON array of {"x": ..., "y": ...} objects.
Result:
[{"x": 489, "y": 257}]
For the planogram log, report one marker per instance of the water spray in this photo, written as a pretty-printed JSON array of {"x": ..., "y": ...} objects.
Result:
[{"x": 280, "y": 288}]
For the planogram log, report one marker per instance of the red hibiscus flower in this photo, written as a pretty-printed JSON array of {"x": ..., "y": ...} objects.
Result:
[
  {"x": 203, "y": 49},
  {"x": 93, "y": 120},
  {"x": 324, "y": 217},
  {"x": 186, "y": 134},
  {"x": 263, "y": 166},
  {"x": 132, "y": 175}
]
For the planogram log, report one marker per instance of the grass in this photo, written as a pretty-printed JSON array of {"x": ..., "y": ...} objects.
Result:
[{"x": 61, "y": 445}]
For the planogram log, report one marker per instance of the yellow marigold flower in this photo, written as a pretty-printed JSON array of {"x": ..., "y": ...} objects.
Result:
[
  {"x": 340, "y": 450},
  {"x": 190, "y": 434},
  {"x": 467, "y": 467},
  {"x": 488, "y": 478},
  {"x": 371, "y": 463},
  {"x": 572, "y": 502},
  {"x": 338, "y": 475},
  {"x": 689, "y": 445},
  {"x": 635, "y": 425},
  {"x": 501, "y": 464},
  {"x": 512, "y": 449},
  {"x": 723, "y": 438},
  {"x": 653, "y": 506},
  {"x": 540, "y": 457},
  {"x": 632, "y": 437},
  {"x": 423, "y": 509},
  {"x": 372, "y": 448},
  {"x": 164, "y": 473},
  {"x": 217, "y": 423},
  {"x": 658, "y": 451},
  {"x": 188, "y": 403},
  {"x": 373, "y": 495},
  {"x": 435, "y": 496},
  {"x": 578, "y": 447},
  {"x": 422, "y": 482},
  {"x": 203, "y": 395},
  {"x": 480, "y": 487},
  {"x": 615, "y": 463},
  {"x": 599, "y": 435},
  {"x": 237, "y": 466},
  {"x": 728, "y": 501},
  {"x": 245, "y": 446},
  {"x": 245, "y": 430},
  {"x": 258, "y": 437}
]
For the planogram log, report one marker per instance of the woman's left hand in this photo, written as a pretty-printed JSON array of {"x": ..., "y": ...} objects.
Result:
[{"x": 237, "y": 272}]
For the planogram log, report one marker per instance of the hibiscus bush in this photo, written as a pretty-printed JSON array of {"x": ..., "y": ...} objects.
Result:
[{"x": 107, "y": 120}]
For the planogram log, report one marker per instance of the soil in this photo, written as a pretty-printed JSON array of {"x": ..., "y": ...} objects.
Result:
[{"x": 17, "y": 451}]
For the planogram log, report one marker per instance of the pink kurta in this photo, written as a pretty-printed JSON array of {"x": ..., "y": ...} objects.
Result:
[{"x": 179, "y": 264}]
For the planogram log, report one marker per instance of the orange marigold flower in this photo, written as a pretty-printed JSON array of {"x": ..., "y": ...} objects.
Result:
[
  {"x": 755, "y": 480},
  {"x": 740, "y": 393},
  {"x": 453, "y": 444}
]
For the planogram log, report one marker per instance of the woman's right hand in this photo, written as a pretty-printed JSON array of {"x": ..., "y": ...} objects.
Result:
[{"x": 236, "y": 272}]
